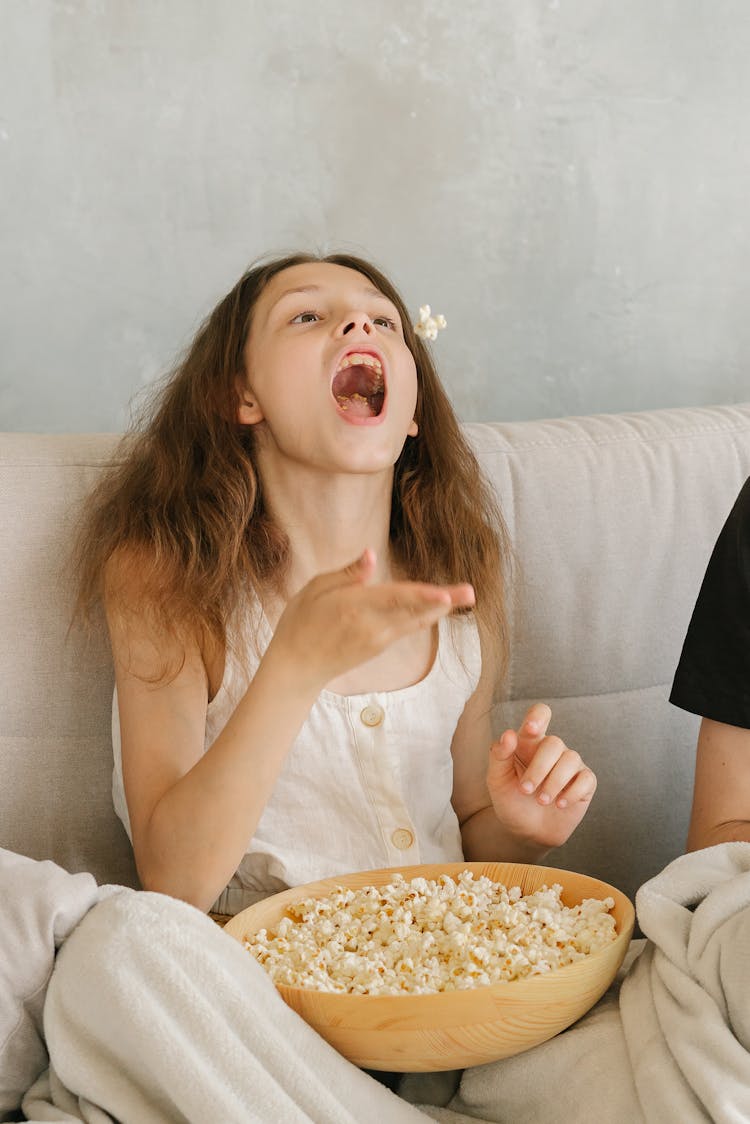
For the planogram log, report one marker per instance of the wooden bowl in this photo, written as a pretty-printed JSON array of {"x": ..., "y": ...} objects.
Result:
[{"x": 454, "y": 1029}]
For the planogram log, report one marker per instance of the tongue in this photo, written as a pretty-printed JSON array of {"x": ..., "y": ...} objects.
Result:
[{"x": 356, "y": 406}]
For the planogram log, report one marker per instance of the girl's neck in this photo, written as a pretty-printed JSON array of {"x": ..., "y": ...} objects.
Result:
[{"x": 329, "y": 521}]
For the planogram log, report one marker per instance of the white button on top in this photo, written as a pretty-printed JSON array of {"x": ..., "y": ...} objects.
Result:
[
  {"x": 402, "y": 838},
  {"x": 372, "y": 715}
]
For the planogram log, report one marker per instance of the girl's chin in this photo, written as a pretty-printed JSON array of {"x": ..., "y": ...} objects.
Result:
[{"x": 366, "y": 457}]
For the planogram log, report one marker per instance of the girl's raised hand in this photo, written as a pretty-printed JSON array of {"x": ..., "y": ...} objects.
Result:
[
  {"x": 539, "y": 788},
  {"x": 341, "y": 619}
]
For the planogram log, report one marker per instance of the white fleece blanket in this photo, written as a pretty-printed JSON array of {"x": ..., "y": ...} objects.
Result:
[
  {"x": 685, "y": 1006},
  {"x": 153, "y": 1015},
  {"x": 674, "y": 1045},
  {"x": 40, "y": 905}
]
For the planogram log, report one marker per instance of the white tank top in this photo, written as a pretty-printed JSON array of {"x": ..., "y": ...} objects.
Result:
[{"x": 366, "y": 784}]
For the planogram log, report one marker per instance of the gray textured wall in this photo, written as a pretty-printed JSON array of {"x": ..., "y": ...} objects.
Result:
[{"x": 568, "y": 182}]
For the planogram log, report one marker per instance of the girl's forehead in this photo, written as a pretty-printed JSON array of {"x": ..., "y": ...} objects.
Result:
[{"x": 324, "y": 277}]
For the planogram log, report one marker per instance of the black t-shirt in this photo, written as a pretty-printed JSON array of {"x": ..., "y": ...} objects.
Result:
[{"x": 713, "y": 675}]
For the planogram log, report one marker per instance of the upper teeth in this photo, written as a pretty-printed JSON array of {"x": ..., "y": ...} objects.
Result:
[{"x": 357, "y": 359}]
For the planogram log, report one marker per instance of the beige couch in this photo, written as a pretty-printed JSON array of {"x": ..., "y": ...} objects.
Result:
[{"x": 613, "y": 519}]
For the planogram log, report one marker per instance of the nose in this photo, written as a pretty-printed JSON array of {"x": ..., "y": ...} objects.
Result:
[{"x": 352, "y": 321}]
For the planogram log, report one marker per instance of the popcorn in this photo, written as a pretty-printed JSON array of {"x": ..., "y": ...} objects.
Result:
[
  {"x": 427, "y": 936},
  {"x": 428, "y": 325}
]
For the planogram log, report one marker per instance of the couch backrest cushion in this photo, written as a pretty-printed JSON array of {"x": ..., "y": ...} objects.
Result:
[
  {"x": 56, "y": 685},
  {"x": 613, "y": 518}
]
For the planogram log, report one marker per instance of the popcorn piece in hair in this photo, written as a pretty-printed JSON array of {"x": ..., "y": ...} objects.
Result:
[{"x": 428, "y": 325}]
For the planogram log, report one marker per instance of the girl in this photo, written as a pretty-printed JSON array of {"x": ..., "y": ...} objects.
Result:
[{"x": 303, "y": 577}]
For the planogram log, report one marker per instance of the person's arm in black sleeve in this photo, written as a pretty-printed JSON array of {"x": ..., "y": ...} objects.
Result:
[{"x": 713, "y": 680}]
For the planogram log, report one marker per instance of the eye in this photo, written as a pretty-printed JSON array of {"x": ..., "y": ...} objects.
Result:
[
  {"x": 385, "y": 322},
  {"x": 305, "y": 318}
]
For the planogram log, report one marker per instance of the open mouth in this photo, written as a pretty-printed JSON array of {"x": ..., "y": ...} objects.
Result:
[{"x": 358, "y": 385}]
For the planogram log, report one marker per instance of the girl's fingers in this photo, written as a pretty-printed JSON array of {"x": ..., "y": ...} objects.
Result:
[
  {"x": 398, "y": 599},
  {"x": 535, "y": 723},
  {"x": 410, "y": 600},
  {"x": 503, "y": 754},
  {"x": 549, "y": 755},
  {"x": 375, "y": 616},
  {"x": 393, "y": 595},
  {"x": 560, "y": 777},
  {"x": 347, "y": 617},
  {"x": 410, "y": 592},
  {"x": 359, "y": 570},
  {"x": 505, "y": 746},
  {"x": 462, "y": 596},
  {"x": 582, "y": 787},
  {"x": 363, "y": 567}
]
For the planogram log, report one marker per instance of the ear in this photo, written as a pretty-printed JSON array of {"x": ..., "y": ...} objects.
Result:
[
  {"x": 248, "y": 410},
  {"x": 413, "y": 429}
]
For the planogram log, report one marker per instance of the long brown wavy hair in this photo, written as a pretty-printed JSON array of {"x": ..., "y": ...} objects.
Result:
[{"x": 181, "y": 507}]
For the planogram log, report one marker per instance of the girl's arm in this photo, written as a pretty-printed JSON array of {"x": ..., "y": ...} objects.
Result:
[
  {"x": 192, "y": 814},
  {"x": 521, "y": 795},
  {"x": 721, "y": 803}
]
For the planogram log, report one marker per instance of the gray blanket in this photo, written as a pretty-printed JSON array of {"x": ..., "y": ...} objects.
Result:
[{"x": 153, "y": 1015}]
